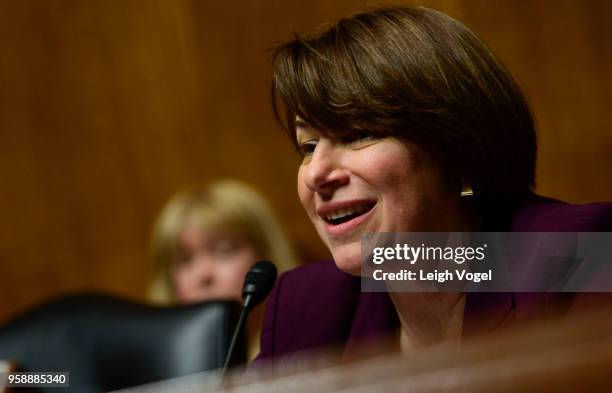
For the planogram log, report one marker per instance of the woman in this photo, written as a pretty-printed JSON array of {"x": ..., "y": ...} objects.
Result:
[
  {"x": 206, "y": 239},
  {"x": 405, "y": 121}
]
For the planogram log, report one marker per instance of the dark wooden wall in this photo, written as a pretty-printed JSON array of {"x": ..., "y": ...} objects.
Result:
[{"x": 108, "y": 107}]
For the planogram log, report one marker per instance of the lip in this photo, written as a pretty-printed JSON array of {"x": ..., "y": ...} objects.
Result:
[{"x": 345, "y": 228}]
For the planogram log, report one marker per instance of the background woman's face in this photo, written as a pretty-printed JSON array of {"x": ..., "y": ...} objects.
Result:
[
  {"x": 360, "y": 184},
  {"x": 210, "y": 266}
]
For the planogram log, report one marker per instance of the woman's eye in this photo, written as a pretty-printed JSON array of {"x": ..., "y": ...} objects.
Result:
[
  {"x": 307, "y": 148},
  {"x": 182, "y": 258}
]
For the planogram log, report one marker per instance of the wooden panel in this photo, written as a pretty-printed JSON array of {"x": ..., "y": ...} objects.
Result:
[{"x": 108, "y": 107}]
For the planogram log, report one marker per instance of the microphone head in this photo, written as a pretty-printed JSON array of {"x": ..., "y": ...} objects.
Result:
[{"x": 258, "y": 283}]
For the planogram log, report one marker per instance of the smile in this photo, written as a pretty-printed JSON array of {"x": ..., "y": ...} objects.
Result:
[
  {"x": 346, "y": 214},
  {"x": 341, "y": 218}
]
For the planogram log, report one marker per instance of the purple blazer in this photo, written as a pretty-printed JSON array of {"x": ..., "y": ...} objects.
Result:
[{"x": 318, "y": 305}]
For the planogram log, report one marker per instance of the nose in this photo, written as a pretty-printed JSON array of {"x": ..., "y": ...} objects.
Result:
[
  {"x": 324, "y": 173},
  {"x": 204, "y": 271}
]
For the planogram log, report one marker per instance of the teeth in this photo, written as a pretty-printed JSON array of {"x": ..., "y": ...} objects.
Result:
[{"x": 346, "y": 212}]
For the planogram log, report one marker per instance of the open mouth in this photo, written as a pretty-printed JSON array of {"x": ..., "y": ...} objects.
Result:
[{"x": 346, "y": 214}]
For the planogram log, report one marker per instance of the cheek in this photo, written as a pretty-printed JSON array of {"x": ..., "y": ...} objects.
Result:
[
  {"x": 239, "y": 265},
  {"x": 181, "y": 282},
  {"x": 414, "y": 189},
  {"x": 304, "y": 193},
  {"x": 390, "y": 167},
  {"x": 230, "y": 278},
  {"x": 401, "y": 178},
  {"x": 178, "y": 277}
]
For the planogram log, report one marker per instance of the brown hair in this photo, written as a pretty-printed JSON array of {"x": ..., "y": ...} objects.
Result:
[{"x": 418, "y": 74}]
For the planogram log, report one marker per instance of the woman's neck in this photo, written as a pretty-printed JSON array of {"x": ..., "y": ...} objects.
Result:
[{"x": 428, "y": 318}]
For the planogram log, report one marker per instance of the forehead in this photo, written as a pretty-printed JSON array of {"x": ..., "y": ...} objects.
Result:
[{"x": 194, "y": 236}]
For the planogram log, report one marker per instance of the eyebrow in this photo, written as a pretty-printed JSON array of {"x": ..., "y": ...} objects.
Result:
[{"x": 299, "y": 122}]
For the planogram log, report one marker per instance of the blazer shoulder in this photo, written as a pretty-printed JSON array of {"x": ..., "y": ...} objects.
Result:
[
  {"x": 548, "y": 215},
  {"x": 317, "y": 274},
  {"x": 310, "y": 306}
]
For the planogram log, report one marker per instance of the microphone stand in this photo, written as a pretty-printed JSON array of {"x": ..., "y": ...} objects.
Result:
[
  {"x": 239, "y": 327},
  {"x": 258, "y": 283}
]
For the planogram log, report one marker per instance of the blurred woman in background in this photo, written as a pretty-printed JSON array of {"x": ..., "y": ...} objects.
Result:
[{"x": 205, "y": 240}]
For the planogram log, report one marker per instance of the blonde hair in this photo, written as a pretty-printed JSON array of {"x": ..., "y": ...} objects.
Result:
[{"x": 227, "y": 206}]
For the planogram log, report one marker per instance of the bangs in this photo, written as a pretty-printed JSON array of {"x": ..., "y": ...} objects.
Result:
[
  {"x": 217, "y": 220},
  {"x": 337, "y": 82}
]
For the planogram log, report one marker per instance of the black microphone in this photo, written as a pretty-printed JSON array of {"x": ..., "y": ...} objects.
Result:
[{"x": 258, "y": 283}]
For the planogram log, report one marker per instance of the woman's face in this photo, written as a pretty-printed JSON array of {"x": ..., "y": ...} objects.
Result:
[
  {"x": 210, "y": 266},
  {"x": 358, "y": 184}
]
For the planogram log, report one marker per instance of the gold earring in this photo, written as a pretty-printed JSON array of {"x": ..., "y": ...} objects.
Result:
[{"x": 467, "y": 190}]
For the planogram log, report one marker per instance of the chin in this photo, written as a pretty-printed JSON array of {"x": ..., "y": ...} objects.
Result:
[{"x": 348, "y": 259}]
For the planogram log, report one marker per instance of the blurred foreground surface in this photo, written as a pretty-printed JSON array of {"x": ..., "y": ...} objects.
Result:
[{"x": 567, "y": 356}]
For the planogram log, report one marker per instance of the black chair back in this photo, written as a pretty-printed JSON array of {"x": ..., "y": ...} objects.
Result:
[{"x": 109, "y": 343}]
